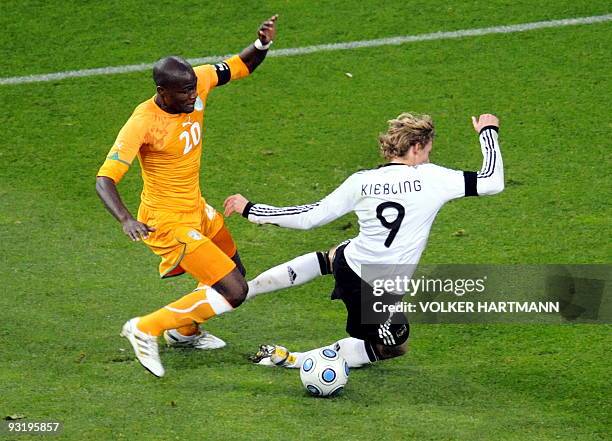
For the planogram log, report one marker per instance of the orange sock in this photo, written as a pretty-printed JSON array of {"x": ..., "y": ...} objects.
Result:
[
  {"x": 188, "y": 330},
  {"x": 197, "y": 307}
]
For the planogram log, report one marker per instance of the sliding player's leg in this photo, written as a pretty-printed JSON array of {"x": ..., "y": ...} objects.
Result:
[
  {"x": 368, "y": 342},
  {"x": 355, "y": 351},
  {"x": 295, "y": 272}
]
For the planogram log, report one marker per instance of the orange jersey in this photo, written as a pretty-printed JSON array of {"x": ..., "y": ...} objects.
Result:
[{"x": 169, "y": 146}]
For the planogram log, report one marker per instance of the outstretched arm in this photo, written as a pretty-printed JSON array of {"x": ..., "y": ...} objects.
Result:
[
  {"x": 254, "y": 54},
  {"x": 490, "y": 179},
  {"x": 301, "y": 217},
  {"x": 237, "y": 66}
]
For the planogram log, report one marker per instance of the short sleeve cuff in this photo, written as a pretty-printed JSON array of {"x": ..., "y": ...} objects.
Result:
[{"x": 113, "y": 169}]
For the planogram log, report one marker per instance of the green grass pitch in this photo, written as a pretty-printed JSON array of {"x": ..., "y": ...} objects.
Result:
[{"x": 288, "y": 134}]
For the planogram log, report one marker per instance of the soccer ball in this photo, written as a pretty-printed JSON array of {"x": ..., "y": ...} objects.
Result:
[{"x": 324, "y": 373}]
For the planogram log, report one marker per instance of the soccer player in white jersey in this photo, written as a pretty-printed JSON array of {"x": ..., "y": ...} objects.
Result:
[{"x": 396, "y": 204}]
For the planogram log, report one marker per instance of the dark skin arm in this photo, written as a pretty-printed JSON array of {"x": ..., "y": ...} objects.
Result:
[
  {"x": 251, "y": 56},
  {"x": 107, "y": 191}
]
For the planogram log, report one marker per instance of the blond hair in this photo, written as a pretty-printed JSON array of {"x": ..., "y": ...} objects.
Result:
[{"x": 405, "y": 131}]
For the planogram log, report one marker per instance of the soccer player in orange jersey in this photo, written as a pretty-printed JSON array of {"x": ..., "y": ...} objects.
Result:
[{"x": 174, "y": 220}]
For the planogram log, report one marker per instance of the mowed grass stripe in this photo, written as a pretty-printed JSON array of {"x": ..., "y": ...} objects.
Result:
[{"x": 523, "y": 27}]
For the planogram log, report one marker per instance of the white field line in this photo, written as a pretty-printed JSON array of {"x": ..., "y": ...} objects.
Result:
[{"x": 323, "y": 48}]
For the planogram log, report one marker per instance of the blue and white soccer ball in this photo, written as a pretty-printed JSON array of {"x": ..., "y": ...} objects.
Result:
[{"x": 324, "y": 373}]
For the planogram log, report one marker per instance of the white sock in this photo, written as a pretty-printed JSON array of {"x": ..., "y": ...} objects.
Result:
[
  {"x": 351, "y": 349},
  {"x": 300, "y": 270}
]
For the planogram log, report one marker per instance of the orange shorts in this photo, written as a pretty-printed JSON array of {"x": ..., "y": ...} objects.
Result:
[{"x": 201, "y": 231}]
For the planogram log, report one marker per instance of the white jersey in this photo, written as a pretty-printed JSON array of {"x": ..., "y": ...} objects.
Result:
[{"x": 396, "y": 205}]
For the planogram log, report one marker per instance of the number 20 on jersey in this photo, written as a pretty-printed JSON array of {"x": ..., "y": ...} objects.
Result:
[{"x": 191, "y": 137}]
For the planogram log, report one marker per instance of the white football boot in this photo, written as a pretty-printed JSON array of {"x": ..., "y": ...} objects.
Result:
[
  {"x": 145, "y": 347},
  {"x": 202, "y": 340},
  {"x": 274, "y": 355}
]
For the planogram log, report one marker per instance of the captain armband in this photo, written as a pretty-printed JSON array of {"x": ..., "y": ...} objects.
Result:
[
  {"x": 224, "y": 73},
  {"x": 470, "y": 180}
]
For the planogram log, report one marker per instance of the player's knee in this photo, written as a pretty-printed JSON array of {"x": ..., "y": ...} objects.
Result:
[
  {"x": 243, "y": 291},
  {"x": 386, "y": 352},
  {"x": 237, "y": 295},
  {"x": 400, "y": 349},
  {"x": 233, "y": 288}
]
